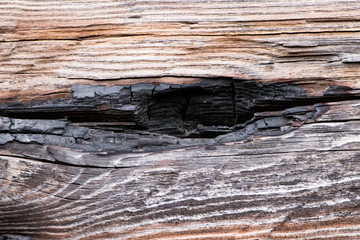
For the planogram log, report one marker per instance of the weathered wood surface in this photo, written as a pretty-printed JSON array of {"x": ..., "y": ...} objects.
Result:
[
  {"x": 180, "y": 119},
  {"x": 67, "y": 42}
]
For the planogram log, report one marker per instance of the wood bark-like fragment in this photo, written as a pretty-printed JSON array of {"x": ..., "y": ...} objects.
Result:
[{"x": 179, "y": 119}]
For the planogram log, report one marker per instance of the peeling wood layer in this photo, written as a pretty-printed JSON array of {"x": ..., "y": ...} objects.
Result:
[{"x": 154, "y": 117}]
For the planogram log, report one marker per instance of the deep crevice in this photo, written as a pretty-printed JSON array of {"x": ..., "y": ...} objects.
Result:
[{"x": 147, "y": 114}]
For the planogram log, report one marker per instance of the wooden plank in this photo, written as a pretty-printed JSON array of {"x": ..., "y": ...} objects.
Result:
[
  {"x": 179, "y": 119},
  {"x": 301, "y": 185},
  {"x": 74, "y": 41}
]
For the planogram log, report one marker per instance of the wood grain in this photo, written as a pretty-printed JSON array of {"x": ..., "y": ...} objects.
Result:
[
  {"x": 59, "y": 180},
  {"x": 69, "y": 42},
  {"x": 302, "y": 185}
]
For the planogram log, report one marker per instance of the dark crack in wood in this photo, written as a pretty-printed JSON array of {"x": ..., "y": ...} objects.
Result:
[{"x": 155, "y": 117}]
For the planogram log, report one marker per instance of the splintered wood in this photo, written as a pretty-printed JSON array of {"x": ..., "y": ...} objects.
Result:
[{"x": 179, "y": 119}]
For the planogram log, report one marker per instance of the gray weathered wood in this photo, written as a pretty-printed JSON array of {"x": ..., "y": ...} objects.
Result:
[{"x": 179, "y": 119}]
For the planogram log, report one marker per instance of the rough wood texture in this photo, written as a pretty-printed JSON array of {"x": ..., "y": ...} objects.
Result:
[
  {"x": 63, "y": 42},
  {"x": 179, "y": 119}
]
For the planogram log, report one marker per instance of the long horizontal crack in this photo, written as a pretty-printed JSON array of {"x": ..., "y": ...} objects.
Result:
[
  {"x": 61, "y": 162},
  {"x": 104, "y": 36},
  {"x": 154, "y": 117}
]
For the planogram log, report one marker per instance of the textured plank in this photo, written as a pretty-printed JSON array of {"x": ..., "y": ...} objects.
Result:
[
  {"x": 179, "y": 119},
  {"x": 301, "y": 185},
  {"x": 73, "y": 41}
]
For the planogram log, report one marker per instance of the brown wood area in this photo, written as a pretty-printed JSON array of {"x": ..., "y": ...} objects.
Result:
[{"x": 177, "y": 119}]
